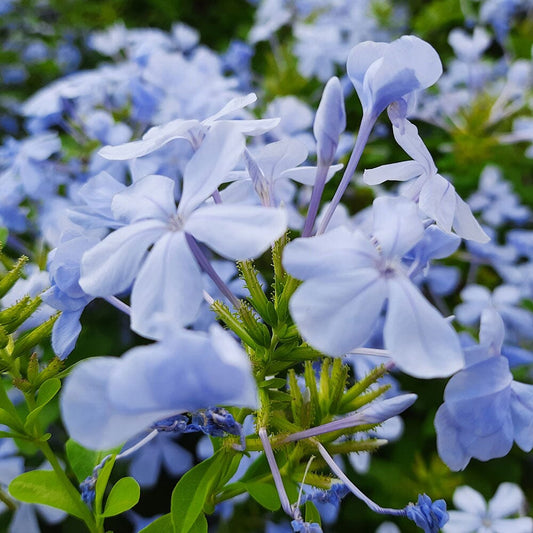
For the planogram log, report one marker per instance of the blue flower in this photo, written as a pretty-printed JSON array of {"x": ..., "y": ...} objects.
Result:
[
  {"x": 427, "y": 515},
  {"x": 385, "y": 72},
  {"x": 166, "y": 281},
  {"x": 484, "y": 409},
  {"x": 107, "y": 400},
  {"x": 348, "y": 277},
  {"x": 475, "y": 514}
]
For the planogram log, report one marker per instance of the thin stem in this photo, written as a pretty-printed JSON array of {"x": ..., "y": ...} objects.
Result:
[
  {"x": 370, "y": 351},
  {"x": 284, "y": 499},
  {"x": 363, "y": 497},
  {"x": 318, "y": 189},
  {"x": 216, "y": 196},
  {"x": 7, "y": 501},
  {"x": 140, "y": 444},
  {"x": 367, "y": 123},
  {"x": 75, "y": 496},
  {"x": 119, "y": 304},
  {"x": 206, "y": 266}
]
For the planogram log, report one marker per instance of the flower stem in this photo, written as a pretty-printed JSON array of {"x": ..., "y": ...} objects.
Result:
[{"x": 367, "y": 123}]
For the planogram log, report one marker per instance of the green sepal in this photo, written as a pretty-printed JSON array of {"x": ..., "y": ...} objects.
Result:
[
  {"x": 123, "y": 496},
  {"x": 13, "y": 317},
  {"x": 44, "y": 487},
  {"x": 163, "y": 524},
  {"x": 275, "y": 383},
  {"x": 7, "y": 282},
  {"x": 257, "y": 298},
  {"x": 34, "y": 337}
]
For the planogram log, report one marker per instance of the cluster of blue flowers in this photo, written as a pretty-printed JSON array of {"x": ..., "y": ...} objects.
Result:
[{"x": 151, "y": 181}]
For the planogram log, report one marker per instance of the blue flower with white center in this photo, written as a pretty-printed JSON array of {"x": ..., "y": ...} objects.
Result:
[
  {"x": 348, "y": 277},
  {"x": 167, "y": 281},
  {"x": 475, "y": 515}
]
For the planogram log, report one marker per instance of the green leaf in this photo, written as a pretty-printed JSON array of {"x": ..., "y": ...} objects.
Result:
[
  {"x": 43, "y": 486},
  {"x": 265, "y": 494},
  {"x": 311, "y": 513},
  {"x": 200, "y": 526},
  {"x": 163, "y": 524},
  {"x": 13, "y": 422},
  {"x": 81, "y": 460},
  {"x": 193, "y": 490},
  {"x": 101, "y": 483},
  {"x": 6, "y": 404},
  {"x": 46, "y": 393},
  {"x": 123, "y": 496}
]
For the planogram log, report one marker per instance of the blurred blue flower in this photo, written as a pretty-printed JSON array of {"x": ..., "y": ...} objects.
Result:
[{"x": 476, "y": 515}]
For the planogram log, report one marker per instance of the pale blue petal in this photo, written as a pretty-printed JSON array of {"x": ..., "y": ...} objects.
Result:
[
  {"x": 409, "y": 64},
  {"x": 153, "y": 139},
  {"x": 403, "y": 171},
  {"x": 469, "y": 500},
  {"x": 423, "y": 344},
  {"x": 466, "y": 225},
  {"x": 146, "y": 464},
  {"x": 65, "y": 332},
  {"x": 253, "y": 127},
  {"x": 407, "y": 137},
  {"x": 437, "y": 200},
  {"x": 185, "y": 372},
  {"x": 359, "y": 61},
  {"x": 462, "y": 522},
  {"x": 397, "y": 226},
  {"x": 235, "y": 104},
  {"x": 476, "y": 381},
  {"x": 491, "y": 331},
  {"x": 149, "y": 197},
  {"x": 237, "y": 231},
  {"x": 337, "y": 314},
  {"x": 169, "y": 285},
  {"x": 509, "y": 499},
  {"x": 177, "y": 460},
  {"x": 24, "y": 520},
  {"x": 523, "y": 524},
  {"x": 336, "y": 251},
  {"x": 522, "y": 414},
  {"x": 448, "y": 443},
  {"x": 218, "y": 154},
  {"x": 330, "y": 121},
  {"x": 110, "y": 267},
  {"x": 307, "y": 175},
  {"x": 88, "y": 414},
  {"x": 275, "y": 158}
]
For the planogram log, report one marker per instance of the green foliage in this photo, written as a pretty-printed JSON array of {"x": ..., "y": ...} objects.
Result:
[
  {"x": 123, "y": 496},
  {"x": 81, "y": 460},
  {"x": 163, "y": 524},
  {"x": 44, "y": 487}
]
